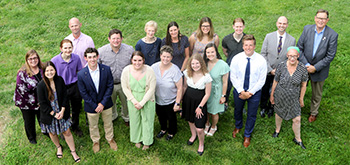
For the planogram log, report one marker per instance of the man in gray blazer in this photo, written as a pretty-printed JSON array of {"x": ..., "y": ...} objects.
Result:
[
  {"x": 274, "y": 50},
  {"x": 318, "y": 46}
]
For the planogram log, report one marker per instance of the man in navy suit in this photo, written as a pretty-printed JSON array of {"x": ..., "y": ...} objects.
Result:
[
  {"x": 318, "y": 46},
  {"x": 95, "y": 83}
]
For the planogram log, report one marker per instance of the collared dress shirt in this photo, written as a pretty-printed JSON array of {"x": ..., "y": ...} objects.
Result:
[
  {"x": 95, "y": 76},
  {"x": 117, "y": 61},
  {"x": 80, "y": 45},
  {"x": 258, "y": 70}
]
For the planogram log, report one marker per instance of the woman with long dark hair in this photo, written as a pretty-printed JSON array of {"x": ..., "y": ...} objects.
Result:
[
  {"x": 179, "y": 43},
  {"x": 54, "y": 109}
]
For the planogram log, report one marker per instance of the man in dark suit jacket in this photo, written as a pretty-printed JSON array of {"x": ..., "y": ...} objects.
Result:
[
  {"x": 95, "y": 83},
  {"x": 274, "y": 50},
  {"x": 318, "y": 46}
]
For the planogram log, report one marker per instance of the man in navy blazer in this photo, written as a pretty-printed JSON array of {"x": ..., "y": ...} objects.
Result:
[
  {"x": 318, "y": 46},
  {"x": 274, "y": 50},
  {"x": 95, "y": 83}
]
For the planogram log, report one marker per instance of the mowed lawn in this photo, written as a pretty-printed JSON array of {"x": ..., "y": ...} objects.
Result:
[{"x": 41, "y": 25}]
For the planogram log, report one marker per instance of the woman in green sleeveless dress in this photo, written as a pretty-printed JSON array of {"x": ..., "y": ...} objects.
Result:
[{"x": 138, "y": 83}]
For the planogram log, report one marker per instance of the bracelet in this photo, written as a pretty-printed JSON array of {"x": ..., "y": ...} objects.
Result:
[{"x": 54, "y": 114}]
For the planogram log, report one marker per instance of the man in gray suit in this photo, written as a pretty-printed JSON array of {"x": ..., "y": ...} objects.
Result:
[
  {"x": 274, "y": 50},
  {"x": 318, "y": 46}
]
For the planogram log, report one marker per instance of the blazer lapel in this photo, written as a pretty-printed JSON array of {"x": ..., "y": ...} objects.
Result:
[
  {"x": 323, "y": 40},
  {"x": 88, "y": 78}
]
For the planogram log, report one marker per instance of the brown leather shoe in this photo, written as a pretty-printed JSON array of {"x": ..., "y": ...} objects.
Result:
[
  {"x": 113, "y": 145},
  {"x": 96, "y": 147},
  {"x": 312, "y": 118},
  {"x": 246, "y": 142},
  {"x": 236, "y": 131}
]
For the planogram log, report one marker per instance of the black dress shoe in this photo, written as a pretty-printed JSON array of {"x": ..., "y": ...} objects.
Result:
[
  {"x": 32, "y": 141},
  {"x": 161, "y": 134},
  {"x": 200, "y": 153},
  {"x": 299, "y": 143},
  {"x": 270, "y": 113},
  {"x": 190, "y": 143},
  {"x": 262, "y": 113},
  {"x": 169, "y": 137},
  {"x": 275, "y": 134}
]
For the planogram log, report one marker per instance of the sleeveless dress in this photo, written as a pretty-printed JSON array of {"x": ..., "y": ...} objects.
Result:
[
  {"x": 219, "y": 69},
  {"x": 192, "y": 98},
  {"x": 57, "y": 126},
  {"x": 141, "y": 121},
  {"x": 199, "y": 46}
]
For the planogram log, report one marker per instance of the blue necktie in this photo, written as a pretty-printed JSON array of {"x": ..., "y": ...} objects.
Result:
[{"x": 246, "y": 76}]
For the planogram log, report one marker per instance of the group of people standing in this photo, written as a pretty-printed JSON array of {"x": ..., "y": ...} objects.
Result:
[{"x": 176, "y": 74}]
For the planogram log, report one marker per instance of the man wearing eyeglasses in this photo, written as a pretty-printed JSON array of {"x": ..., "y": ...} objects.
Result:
[
  {"x": 318, "y": 46},
  {"x": 274, "y": 50}
]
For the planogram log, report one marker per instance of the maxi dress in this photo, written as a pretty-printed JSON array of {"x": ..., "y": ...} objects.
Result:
[
  {"x": 141, "y": 121},
  {"x": 216, "y": 73}
]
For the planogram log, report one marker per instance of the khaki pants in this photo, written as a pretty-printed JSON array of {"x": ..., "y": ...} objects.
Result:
[
  {"x": 107, "y": 123},
  {"x": 317, "y": 88},
  {"x": 117, "y": 91}
]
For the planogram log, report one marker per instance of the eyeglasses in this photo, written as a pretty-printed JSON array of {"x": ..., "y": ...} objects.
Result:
[
  {"x": 323, "y": 19},
  {"x": 34, "y": 58},
  {"x": 205, "y": 26},
  {"x": 295, "y": 56}
]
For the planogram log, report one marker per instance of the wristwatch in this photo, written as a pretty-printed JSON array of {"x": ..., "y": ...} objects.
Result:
[
  {"x": 200, "y": 107},
  {"x": 178, "y": 104}
]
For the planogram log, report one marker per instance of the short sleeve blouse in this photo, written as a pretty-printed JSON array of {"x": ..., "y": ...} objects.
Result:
[
  {"x": 166, "y": 90},
  {"x": 200, "y": 84}
]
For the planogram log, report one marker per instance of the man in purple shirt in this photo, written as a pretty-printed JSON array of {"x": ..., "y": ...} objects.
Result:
[
  {"x": 80, "y": 40},
  {"x": 68, "y": 64}
]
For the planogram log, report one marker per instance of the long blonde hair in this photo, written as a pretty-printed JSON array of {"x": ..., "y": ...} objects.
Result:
[
  {"x": 203, "y": 68},
  {"x": 25, "y": 67}
]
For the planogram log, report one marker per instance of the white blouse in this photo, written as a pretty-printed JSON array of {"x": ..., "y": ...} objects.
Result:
[{"x": 200, "y": 84}]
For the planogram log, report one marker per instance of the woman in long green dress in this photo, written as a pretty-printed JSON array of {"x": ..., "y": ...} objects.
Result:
[
  {"x": 138, "y": 83},
  {"x": 218, "y": 70}
]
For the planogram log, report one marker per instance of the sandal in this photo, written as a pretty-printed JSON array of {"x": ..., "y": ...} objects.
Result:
[
  {"x": 210, "y": 133},
  {"x": 76, "y": 160},
  {"x": 206, "y": 129},
  {"x": 59, "y": 156}
]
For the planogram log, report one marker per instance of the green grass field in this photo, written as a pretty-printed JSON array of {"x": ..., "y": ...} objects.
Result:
[{"x": 41, "y": 25}]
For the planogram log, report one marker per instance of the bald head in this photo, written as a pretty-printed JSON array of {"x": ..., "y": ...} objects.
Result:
[
  {"x": 282, "y": 24},
  {"x": 74, "y": 26}
]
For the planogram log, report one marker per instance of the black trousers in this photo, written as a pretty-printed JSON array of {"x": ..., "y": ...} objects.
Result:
[
  {"x": 166, "y": 113},
  {"x": 75, "y": 102},
  {"x": 265, "y": 93},
  {"x": 29, "y": 122}
]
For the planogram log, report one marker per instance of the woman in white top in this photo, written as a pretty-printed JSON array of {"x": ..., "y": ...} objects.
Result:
[
  {"x": 197, "y": 87},
  {"x": 168, "y": 92}
]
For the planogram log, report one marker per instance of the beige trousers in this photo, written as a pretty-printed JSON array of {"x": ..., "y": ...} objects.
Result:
[
  {"x": 117, "y": 91},
  {"x": 107, "y": 123}
]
